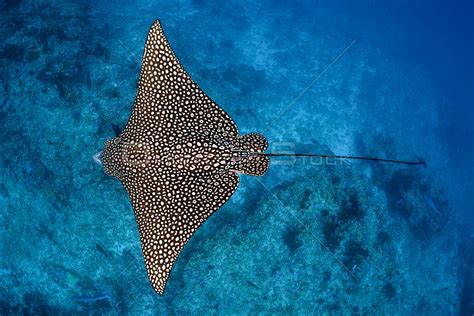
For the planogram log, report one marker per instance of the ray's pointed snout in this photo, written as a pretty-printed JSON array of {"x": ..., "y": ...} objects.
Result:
[{"x": 98, "y": 158}]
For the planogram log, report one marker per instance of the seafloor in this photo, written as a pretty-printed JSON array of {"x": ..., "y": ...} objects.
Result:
[{"x": 310, "y": 237}]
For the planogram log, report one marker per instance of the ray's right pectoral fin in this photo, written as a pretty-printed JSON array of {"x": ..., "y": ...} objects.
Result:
[
  {"x": 167, "y": 94},
  {"x": 168, "y": 212}
]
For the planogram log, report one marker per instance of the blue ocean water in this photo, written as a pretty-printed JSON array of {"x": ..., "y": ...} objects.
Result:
[{"x": 389, "y": 79}]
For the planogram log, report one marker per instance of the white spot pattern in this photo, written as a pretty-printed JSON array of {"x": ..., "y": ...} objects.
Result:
[{"x": 178, "y": 157}]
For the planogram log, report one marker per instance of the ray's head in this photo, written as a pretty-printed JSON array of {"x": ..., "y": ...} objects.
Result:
[
  {"x": 111, "y": 157},
  {"x": 122, "y": 157}
]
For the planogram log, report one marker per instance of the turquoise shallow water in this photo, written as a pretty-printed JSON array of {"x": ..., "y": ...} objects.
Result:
[{"x": 387, "y": 79}]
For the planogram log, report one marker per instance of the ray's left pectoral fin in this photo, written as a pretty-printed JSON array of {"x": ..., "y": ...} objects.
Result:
[{"x": 168, "y": 212}]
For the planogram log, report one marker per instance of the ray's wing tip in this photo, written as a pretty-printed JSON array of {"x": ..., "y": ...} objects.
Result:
[
  {"x": 156, "y": 25},
  {"x": 159, "y": 288}
]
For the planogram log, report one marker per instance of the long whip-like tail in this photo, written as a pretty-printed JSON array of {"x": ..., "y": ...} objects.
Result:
[{"x": 421, "y": 162}]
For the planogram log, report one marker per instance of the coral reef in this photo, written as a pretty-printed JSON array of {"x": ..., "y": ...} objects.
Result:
[{"x": 311, "y": 237}]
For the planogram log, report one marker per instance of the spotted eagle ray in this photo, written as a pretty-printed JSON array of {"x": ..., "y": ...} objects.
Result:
[{"x": 179, "y": 157}]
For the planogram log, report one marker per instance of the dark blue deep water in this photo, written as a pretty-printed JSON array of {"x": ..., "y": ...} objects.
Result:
[{"x": 387, "y": 79}]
